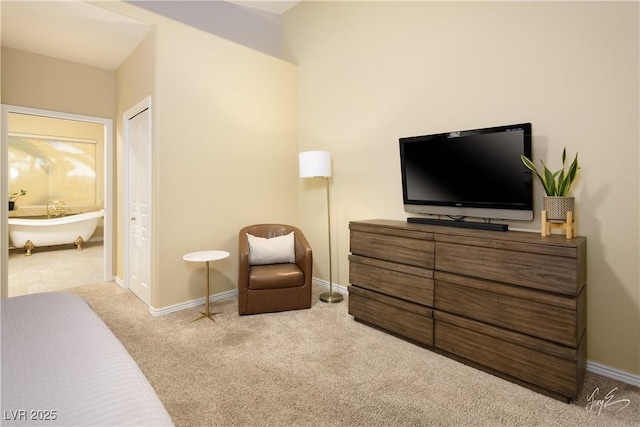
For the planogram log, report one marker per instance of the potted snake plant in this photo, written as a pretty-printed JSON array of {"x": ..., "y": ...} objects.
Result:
[{"x": 556, "y": 186}]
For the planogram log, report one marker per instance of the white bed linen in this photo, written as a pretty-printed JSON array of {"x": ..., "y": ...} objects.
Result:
[{"x": 60, "y": 361}]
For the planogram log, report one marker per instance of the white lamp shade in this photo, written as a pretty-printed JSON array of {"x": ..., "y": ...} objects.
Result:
[{"x": 315, "y": 164}]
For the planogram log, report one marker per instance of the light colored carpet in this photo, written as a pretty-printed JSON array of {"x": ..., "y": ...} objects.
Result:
[{"x": 319, "y": 367}]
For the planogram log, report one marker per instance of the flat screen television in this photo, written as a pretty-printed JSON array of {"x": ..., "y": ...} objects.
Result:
[{"x": 473, "y": 173}]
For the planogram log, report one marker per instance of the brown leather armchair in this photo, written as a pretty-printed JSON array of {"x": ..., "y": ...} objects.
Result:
[{"x": 274, "y": 287}]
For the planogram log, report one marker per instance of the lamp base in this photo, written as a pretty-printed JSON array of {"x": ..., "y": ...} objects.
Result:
[{"x": 331, "y": 297}]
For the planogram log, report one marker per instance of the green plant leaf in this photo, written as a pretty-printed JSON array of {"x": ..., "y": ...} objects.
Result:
[
  {"x": 531, "y": 166},
  {"x": 549, "y": 179},
  {"x": 569, "y": 177},
  {"x": 555, "y": 183}
]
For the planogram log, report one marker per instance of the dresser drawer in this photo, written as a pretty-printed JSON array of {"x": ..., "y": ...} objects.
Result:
[
  {"x": 528, "y": 269},
  {"x": 553, "y": 317},
  {"x": 405, "y": 250},
  {"x": 542, "y": 364},
  {"x": 406, "y": 319},
  {"x": 510, "y": 303},
  {"x": 409, "y": 283}
]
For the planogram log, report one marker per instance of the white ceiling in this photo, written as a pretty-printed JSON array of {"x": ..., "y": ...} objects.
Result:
[{"x": 80, "y": 32}]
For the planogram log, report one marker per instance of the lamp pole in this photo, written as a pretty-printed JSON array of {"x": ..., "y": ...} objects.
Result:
[
  {"x": 330, "y": 297},
  {"x": 317, "y": 164}
]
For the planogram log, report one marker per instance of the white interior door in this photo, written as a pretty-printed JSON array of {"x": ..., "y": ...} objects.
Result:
[{"x": 139, "y": 259}]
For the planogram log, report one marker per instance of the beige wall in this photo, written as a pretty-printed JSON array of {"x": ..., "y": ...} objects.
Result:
[
  {"x": 42, "y": 82},
  {"x": 227, "y": 157},
  {"x": 371, "y": 72},
  {"x": 224, "y": 148}
]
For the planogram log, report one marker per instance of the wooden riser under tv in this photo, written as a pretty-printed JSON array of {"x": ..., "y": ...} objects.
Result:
[{"x": 507, "y": 302}]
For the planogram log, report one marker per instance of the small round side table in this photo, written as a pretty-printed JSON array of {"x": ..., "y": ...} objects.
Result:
[{"x": 206, "y": 256}]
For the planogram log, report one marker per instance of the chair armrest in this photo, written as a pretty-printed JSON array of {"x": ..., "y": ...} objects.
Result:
[
  {"x": 243, "y": 262},
  {"x": 304, "y": 255}
]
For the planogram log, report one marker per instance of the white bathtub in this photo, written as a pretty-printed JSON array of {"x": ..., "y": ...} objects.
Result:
[{"x": 28, "y": 233}]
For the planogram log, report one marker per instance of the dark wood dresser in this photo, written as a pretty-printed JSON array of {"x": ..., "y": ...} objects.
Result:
[{"x": 510, "y": 303}]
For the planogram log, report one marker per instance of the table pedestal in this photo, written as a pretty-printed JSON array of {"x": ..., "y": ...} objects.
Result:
[
  {"x": 206, "y": 256},
  {"x": 207, "y": 313}
]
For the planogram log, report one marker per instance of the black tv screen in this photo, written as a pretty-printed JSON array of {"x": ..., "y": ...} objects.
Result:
[{"x": 475, "y": 173}]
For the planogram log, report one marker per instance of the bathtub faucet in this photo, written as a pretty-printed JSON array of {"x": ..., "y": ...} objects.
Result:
[{"x": 54, "y": 207}]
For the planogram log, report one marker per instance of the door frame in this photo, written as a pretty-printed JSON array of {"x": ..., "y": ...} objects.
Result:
[
  {"x": 144, "y": 104},
  {"x": 4, "y": 188}
]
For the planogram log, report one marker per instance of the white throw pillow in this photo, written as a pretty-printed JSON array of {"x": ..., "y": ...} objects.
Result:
[{"x": 276, "y": 250}]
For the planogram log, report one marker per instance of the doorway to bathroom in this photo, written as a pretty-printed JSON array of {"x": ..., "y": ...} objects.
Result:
[{"x": 63, "y": 162}]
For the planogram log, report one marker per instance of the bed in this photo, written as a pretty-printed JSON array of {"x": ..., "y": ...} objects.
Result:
[{"x": 61, "y": 365}]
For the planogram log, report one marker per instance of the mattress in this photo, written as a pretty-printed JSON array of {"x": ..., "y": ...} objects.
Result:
[{"x": 61, "y": 365}]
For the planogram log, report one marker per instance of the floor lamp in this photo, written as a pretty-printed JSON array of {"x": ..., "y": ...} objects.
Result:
[{"x": 317, "y": 164}]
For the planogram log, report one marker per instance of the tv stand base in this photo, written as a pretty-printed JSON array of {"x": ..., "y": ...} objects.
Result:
[{"x": 460, "y": 224}]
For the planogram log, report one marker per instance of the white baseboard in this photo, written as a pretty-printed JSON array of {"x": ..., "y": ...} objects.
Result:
[
  {"x": 157, "y": 312},
  {"x": 614, "y": 374},
  {"x": 325, "y": 283},
  {"x": 193, "y": 303},
  {"x": 217, "y": 297}
]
